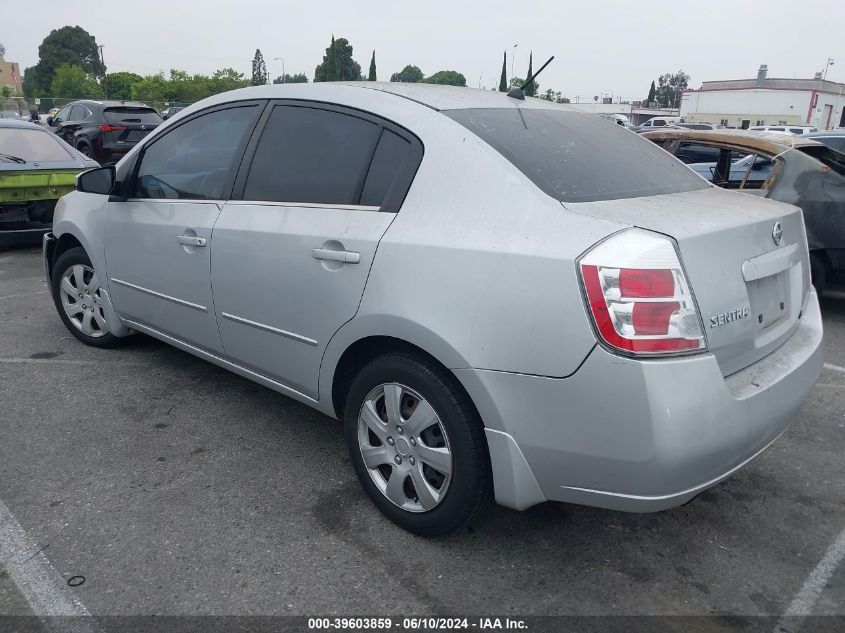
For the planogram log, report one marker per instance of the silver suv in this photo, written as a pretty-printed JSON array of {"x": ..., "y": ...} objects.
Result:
[{"x": 498, "y": 297}]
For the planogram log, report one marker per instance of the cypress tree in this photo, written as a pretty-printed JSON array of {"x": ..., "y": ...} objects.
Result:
[
  {"x": 531, "y": 91},
  {"x": 372, "y": 75},
  {"x": 503, "y": 82}
]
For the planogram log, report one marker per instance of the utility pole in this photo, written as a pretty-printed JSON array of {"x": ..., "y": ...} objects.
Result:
[
  {"x": 105, "y": 83},
  {"x": 280, "y": 59}
]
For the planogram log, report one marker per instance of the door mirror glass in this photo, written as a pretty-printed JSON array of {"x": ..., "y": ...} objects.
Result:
[
  {"x": 50, "y": 121},
  {"x": 100, "y": 180}
]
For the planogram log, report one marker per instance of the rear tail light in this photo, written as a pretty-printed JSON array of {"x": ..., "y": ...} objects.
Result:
[
  {"x": 107, "y": 127},
  {"x": 639, "y": 297}
]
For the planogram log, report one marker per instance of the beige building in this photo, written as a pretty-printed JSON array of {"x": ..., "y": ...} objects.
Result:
[
  {"x": 10, "y": 75},
  {"x": 743, "y": 103}
]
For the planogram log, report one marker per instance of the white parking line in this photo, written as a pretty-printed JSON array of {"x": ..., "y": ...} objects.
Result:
[
  {"x": 802, "y": 605},
  {"x": 841, "y": 370},
  {"x": 34, "y": 576}
]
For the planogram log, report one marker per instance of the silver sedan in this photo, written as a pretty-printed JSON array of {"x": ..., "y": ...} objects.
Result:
[{"x": 498, "y": 297}]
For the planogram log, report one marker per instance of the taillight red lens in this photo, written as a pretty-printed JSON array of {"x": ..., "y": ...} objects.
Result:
[
  {"x": 637, "y": 308},
  {"x": 636, "y": 282},
  {"x": 107, "y": 127},
  {"x": 653, "y": 318}
]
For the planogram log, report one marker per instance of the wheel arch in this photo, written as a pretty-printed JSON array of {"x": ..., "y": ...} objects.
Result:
[{"x": 363, "y": 339}]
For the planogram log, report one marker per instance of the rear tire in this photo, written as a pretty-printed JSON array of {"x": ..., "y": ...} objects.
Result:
[
  {"x": 818, "y": 272},
  {"x": 76, "y": 293},
  {"x": 428, "y": 468}
]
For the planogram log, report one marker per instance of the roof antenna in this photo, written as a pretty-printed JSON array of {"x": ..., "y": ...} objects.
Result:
[{"x": 519, "y": 92}]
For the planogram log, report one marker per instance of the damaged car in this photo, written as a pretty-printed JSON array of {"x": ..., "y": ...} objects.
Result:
[
  {"x": 796, "y": 170},
  {"x": 36, "y": 169}
]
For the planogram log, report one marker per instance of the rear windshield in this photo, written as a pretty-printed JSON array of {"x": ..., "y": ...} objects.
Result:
[
  {"x": 124, "y": 114},
  {"x": 578, "y": 157},
  {"x": 31, "y": 146}
]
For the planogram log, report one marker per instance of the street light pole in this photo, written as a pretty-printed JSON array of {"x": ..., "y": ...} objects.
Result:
[
  {"x": 827, "y": 65},
  {"x": 280, "y": 59},
  {"x": 513, "y": 57}
]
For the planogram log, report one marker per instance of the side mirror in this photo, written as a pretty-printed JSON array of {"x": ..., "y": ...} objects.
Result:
[
  {"x": 50, "y": 121},
  {"x": 99, "y": 180}
]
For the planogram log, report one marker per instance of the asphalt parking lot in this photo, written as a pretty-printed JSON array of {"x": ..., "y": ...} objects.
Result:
[{"x": 175, "y": 487}]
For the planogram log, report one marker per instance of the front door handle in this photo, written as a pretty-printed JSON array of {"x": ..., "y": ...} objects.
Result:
[
  {"x": 191, "y": 240},
  {"x": 347, "y": 257}
]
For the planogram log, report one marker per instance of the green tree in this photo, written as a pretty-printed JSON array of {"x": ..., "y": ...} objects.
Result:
[
  {"x": 119, "y": 85},
  {"x": 553, "y": 95},
  {"x": 447, "y": 77},
  {"x": 226, "y": 79},
  {"x": 152, "y": 90},
  {"x": 5, "y": 92},
  {"x": 72, "y": 82},
  {"x": 409, "y": 74},
  {"x": 259, "y": 69},
  {"x": 652, "y": 92},
  {"x": 503, "y": 80},
  {"x": 531, "y": 91},
  {"x": 669, "y": 88},
  {"x": 2, "y": 50},
  {"x": 70, "y": 45},
  {"x": 338, "y": 64},
  {"x": 298, "y": 78},
  {"x": 371, "y": 76}
]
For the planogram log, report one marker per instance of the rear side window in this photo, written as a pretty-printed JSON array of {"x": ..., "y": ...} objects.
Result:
[
  {"x": 194, "y": 160},
  {"x": 695, "y": 153},
  {"x": 32, "y": 146},
  {"x": 578, "y": 157},
  {"x": 390, "y": 156},
  {"x": 313, "y": 156},
  {"x": 144, "y": 116}
]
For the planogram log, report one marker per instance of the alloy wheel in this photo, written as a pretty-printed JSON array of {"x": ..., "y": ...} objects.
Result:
[
  {"x": 404, "y": 447},
  {"x": 82, "y": 302}
]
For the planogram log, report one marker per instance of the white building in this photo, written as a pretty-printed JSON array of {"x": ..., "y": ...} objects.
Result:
[{"x": 767, "y": 101}]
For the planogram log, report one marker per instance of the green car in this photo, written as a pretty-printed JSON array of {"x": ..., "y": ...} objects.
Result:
[{"x": 36, "y": 169}]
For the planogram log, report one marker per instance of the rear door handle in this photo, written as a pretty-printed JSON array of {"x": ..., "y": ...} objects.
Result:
[
  {"x": 191, "y": 240},
  {"x": 347, "y": 257}
]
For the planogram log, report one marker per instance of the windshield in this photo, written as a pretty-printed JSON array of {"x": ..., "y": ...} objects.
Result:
[
  {"x": 32, "y": 145},
  {"x": 578, "y": 157}
]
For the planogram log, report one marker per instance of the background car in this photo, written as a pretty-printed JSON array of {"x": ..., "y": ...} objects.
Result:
[
  {"x": 9, "y": 114},
  {"x": 171, "y": 111},
  {"x": 36, "y": 169},
  {"x": 104, "y": 130},
  {"x": 834, "y": 139},
  {"x": 791, "y": 169},
  {"x": 797, "y": 130}
]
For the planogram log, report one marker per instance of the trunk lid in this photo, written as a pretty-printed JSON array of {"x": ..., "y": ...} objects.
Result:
[{"x": 749, "y": 289}]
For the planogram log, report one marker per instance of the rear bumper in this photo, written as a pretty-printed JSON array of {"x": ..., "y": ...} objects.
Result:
[{"x": 640, "y": 435}]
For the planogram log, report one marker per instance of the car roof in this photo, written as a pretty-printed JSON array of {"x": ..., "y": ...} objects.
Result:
[
  {"x": 759, "y": 141},
  {"x": 21, "y": 123},
  {"x": 436, "y": 97},
  {"x": 108, "y": 104}
]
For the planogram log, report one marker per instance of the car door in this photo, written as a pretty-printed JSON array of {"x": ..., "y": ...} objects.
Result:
[
  {"x": 158, "y": 238},
  {"x": 291, "y": 256},
  {"x": 60, "y": 120},
  {"x": 68, "y": 128}
]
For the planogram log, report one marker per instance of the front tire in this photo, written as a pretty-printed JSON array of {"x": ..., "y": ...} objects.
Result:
[
  {"x": 417, "y": 445},
  {"x": 76, "y": 293}
]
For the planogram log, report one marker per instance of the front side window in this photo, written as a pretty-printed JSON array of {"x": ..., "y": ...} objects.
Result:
[
  {"x": 576, "y": 157},
  {"x": 194, "y": 160},
  {"x": 62, "y": 115},
  {"x": 311, "y": 155}
]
